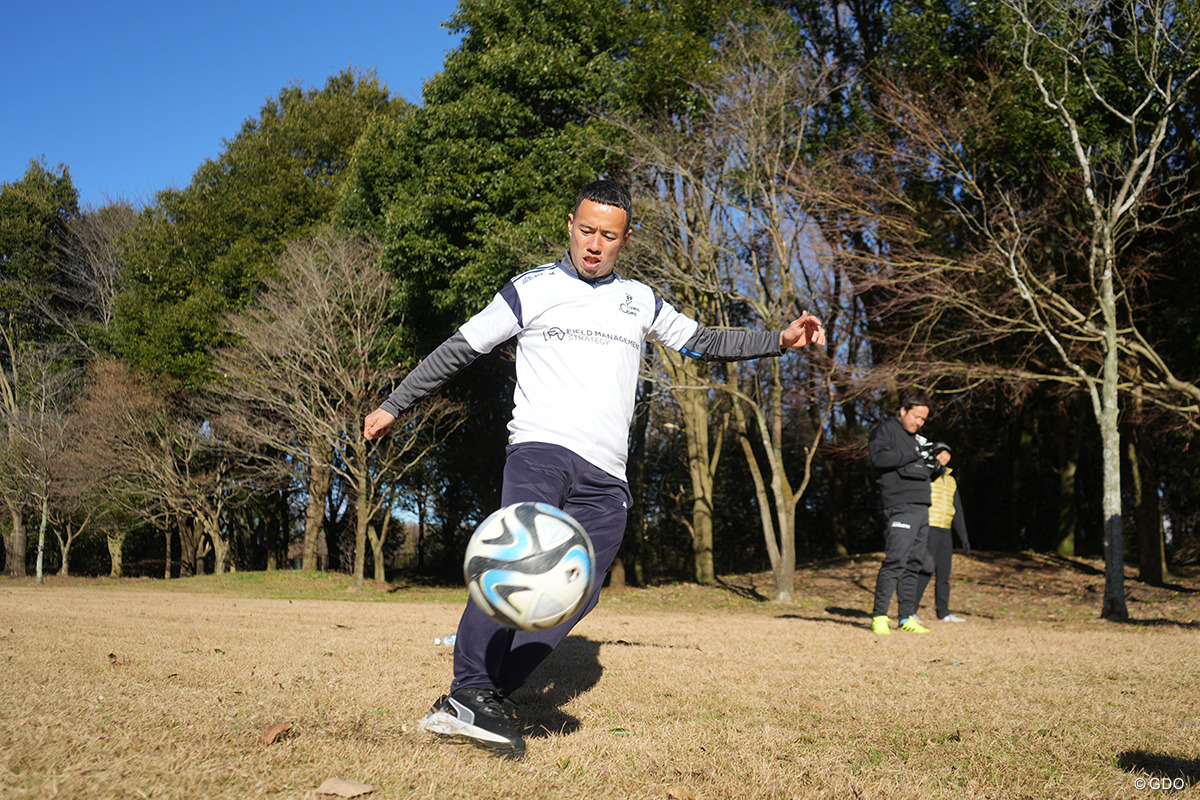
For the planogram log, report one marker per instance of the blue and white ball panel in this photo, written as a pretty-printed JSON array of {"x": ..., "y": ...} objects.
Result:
[{"x": 529, "y": 566}]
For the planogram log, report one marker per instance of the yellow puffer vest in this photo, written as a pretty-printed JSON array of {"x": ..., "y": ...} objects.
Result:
[{"x": 941, "y": 500}]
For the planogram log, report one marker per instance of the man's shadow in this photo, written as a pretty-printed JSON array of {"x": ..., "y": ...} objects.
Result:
[
  {"x": 1168, "y": 772},
  {"x": 572, "y": 669}
]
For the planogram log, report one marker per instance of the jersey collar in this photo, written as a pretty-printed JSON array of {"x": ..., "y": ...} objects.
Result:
[{"x": 567, "y": 266}]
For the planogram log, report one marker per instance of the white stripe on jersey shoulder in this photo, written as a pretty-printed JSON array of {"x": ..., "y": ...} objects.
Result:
[{"x": 536, "y": 272}]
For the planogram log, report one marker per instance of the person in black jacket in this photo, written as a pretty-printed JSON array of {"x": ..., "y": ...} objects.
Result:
[{"x": 904, "y": 466}]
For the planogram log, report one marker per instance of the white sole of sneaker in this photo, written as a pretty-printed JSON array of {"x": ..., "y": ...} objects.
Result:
[
  {"x": 444, "y": 724},
  {"x": 448, "y": 726}
]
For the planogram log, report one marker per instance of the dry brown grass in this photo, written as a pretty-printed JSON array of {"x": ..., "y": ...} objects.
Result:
[{"x": 145, "y": 689}]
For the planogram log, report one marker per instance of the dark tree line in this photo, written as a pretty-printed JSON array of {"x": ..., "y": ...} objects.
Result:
[{"x": 991, "y": 201}]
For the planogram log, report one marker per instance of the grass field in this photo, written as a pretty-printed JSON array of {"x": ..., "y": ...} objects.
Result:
[{"x": 129, "y": 689}]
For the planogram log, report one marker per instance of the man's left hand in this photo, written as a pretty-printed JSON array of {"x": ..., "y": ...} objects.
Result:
[{"x": 802, "y": 332}]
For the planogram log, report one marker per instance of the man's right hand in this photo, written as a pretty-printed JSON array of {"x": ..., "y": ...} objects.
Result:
[{"x": 377, "y": 423}]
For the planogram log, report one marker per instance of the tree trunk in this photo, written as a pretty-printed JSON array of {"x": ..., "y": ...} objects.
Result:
[
  {"x": 168, "y": 534},
  {"x": 785, "y": 497},
  {"x": 189, "y": 546},
  {"x": 18, "y": 544},
  {"x": 629, "y": 557},
  {"x": 377, "y": 537},
  {"x": 377, "y": 557},
  {"x": 319, "y": 478},
  {"x": 1147, "y": 514},
  {"x": 701, "y": 466},
  {"x": 41, "y": 545},
  {"x": 220, "y": 545},
  {"x": 203, "y": 548},
  {"x": 1114, "y": 550},
  {"x": 777, "y": 550},
  {"x": 65, "y": 539},
  {"x": 116, "y": 547},
  {"x": 278, "y": 527},
  {"x": 362, "y": 518},
  {"x": 1114, "y": 606},
  {"x": 838, "y": 499},
  {"x": 422, "y": 504},
  {"x": 1068, "y": 467},
  {"x": 687, "y": 388}
]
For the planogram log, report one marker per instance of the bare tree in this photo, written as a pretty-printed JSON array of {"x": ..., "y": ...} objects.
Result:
[
  {"x": 74, "y": 494},
  {"x": 89, "y": 266},
  {"x": 678, "y": 246},
  {"x": 1076, "y": 321},
  {"x": 164, "y": 461},
  {"x": 302, "y": 377},
  {"x": 15, "y": 499},
  {"x": 731, "y": 235},
  {"x": 35, "y": 394},
  {"x": 778, "y": 265},
  {"x": 81, "y": 296}
]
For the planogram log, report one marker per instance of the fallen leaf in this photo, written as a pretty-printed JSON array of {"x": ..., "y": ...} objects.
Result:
[
  {"x": 679, "y": 793},
  {"x": 344, "y": 788},
  {"x": 276, "y": 732}
]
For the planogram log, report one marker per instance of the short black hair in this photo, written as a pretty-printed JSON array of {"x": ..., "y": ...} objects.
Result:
[
  {"x": 607, "y": 193},
  {"x": 915, "y": 398}
]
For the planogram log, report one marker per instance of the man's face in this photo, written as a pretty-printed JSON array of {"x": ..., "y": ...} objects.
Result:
[
  {"x": 913, "y": 418},
  {"x": 598, "y": 233}
]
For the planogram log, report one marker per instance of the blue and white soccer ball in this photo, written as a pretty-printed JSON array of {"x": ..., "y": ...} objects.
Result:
[{"x": 529, "y": 566}]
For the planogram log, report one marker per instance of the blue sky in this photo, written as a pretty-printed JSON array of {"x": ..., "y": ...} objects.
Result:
[{"x": 134, "y": 96}]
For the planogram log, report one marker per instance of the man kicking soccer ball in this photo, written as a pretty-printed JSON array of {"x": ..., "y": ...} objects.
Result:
[{"x": 580, "y": 329}]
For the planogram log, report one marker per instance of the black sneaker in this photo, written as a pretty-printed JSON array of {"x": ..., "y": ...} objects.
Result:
[{"x": 483, "y": 717}]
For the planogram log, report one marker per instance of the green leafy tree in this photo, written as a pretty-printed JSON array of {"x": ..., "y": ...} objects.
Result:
[
  {"x": 35, "y": 215},
  {"x": 202, "y": 251}
]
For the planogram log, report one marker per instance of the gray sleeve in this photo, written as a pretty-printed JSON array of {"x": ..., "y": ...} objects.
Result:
[
  {"x": 721, "y": 345},
  {"x": 446, "y": 361}
]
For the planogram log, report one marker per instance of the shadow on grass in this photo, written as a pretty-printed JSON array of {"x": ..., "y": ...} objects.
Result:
[
  {"x": 851, "y": 623},
  {"x": 572, "y": 669},
  {"x": 1168, "y": 773},
  {"x": 1161, "y": 623},
  {"x": 1050, "y": 562},
  {"x": 856, "y": 613},
  {"x": 749, "y": 592}
]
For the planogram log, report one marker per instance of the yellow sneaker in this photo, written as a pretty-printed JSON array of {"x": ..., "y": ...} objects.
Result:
[
  {"x": 911, "y": 625},
  {"x": 879, "y": 626}
]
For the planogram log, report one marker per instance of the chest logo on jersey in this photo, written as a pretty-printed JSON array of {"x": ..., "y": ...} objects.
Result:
[
  {"x": 587, "y": 335},
  {"x": 628, "y": 306}
]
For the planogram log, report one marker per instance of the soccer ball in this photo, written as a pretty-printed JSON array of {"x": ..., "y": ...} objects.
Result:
[{"x": 529, "y": 566}]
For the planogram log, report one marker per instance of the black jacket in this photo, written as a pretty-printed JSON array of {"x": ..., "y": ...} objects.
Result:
[{"x": 902, "y": 474}]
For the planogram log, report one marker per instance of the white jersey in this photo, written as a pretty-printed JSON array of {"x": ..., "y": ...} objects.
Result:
[{"x": 579, "y": 348}]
